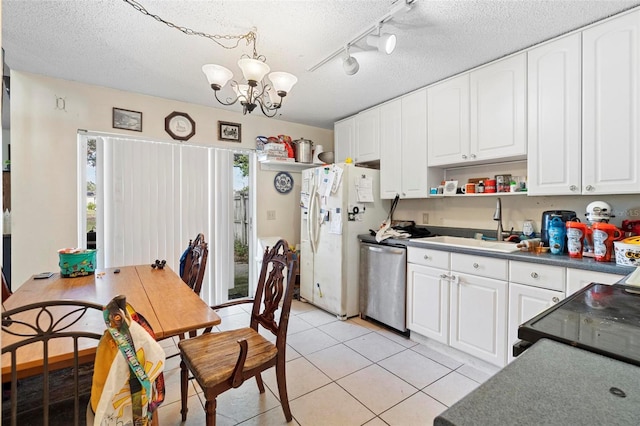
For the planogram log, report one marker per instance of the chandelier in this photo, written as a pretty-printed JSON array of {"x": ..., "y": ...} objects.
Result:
[{"x": 258, "y": 89}]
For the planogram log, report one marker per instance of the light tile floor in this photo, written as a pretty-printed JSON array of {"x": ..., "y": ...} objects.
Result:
[{"x": 350, "y": 372}]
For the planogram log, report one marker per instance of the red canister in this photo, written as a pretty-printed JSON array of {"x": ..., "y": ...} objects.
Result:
[
  {"x": 603, "y": 236},
  {"x": 490, "y": 185}
]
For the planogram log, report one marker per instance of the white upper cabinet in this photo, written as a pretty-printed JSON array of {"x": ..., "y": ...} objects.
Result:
[
  {"x": 448, "y": 122},
  {"x": 414, "y": 145},
  {"x": 498, "y": 110},
  {"x": 367, "y": 141},
  {"x": 391, "y": 149},
  {"x": 554, "y": 159},
  {"x": 611, "y": 90},
  {"x": 344, "y": 135}
]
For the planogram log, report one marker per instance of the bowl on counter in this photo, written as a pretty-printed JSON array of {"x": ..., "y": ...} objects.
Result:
[{"x": 326, "y": 157}]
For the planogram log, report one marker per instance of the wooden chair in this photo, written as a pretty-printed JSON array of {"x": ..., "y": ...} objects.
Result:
[
  {"x": 39, "y": 324},
  {"x": 224, "y": 360},
  {"x": 5, "y": 288},
  {"x": 195, "y": 263}
]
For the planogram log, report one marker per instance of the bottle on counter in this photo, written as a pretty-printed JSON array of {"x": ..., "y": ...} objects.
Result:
[{"x": 481, "y": 187}]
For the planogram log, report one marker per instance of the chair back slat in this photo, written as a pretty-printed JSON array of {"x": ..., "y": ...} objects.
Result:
[
  {"x": 39, "y": 324},
  {"x": 274, "y": 288}
]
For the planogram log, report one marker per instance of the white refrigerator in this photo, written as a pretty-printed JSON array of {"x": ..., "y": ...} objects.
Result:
[{"x": 338, "y": 202}]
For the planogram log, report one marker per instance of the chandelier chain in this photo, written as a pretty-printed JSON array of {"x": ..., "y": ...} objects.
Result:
[{"x": 250, "y": 37}]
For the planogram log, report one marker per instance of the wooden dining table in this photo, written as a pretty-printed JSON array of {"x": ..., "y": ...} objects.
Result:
[{"x": 160, "y": 295}]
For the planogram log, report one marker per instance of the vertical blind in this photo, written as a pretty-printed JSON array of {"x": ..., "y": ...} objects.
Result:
[{"x": 153, "y": 197}]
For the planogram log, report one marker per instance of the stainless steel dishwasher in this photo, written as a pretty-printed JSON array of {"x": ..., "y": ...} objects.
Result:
[{"x": 383, "y": 295}]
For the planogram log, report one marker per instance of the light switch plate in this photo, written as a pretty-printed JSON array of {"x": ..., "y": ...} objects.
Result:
[{"x": 425, "y": 218}]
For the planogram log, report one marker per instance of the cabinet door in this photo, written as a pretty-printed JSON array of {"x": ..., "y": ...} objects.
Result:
[
  {"x": 478, "y": 317},
  {"x": 554, "y": 159},
  {"x": 367, "y": 145},
  {"x": 611, "y": 79},
  {"x": 390, "y": 149},
  {"x": 448, "y": 122},
  {"x": 414, "y": 145},
  {"x": 344, "y": 135},
  {"x": 525, "y": 302},
  {"x": 580, "y": 278},
  {"x": 428, "y": 302},
  {"x": 498, "y": 109}
]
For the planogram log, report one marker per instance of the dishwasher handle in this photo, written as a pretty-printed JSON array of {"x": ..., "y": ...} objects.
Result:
[{"x": 385, "y": 250}]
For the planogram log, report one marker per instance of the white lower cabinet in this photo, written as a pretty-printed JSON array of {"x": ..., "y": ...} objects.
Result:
[
  {"x": 428, "y": 293},
  {"x": 478, "y": 308},
  {"x": 580, "y": 278},
  {"x": 476, "y": 304},
  {"x": 532, "y": 289},
  {"x": 525, "y": 302},
  {"x": 428, "y": 302}
]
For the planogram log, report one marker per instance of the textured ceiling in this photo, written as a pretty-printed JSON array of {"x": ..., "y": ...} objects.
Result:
[{"x": 108, "y": 43}]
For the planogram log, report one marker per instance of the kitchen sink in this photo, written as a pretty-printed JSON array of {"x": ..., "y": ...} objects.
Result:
[{"x": 498, "y": 246}]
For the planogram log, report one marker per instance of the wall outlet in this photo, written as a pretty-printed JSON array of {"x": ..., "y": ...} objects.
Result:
[
  {"x": 425, "y": 218},
  {"x": 271, "y": 215}
]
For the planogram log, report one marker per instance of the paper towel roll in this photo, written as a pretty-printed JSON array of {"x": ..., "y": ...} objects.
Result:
[{"x": 317, "y": 151}]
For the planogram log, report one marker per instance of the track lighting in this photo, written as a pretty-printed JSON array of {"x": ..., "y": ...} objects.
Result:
[
  {"x": 385, "y": 43},
  {"x": 350, "y": 64}
]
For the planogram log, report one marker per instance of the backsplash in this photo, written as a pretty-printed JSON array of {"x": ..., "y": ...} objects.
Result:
[{"x": 477, "y": 211}]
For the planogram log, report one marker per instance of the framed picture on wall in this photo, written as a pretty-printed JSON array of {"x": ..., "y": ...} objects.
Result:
[
  {"x": 229, "y": 131},
  {"x": 127, "y": 119}
]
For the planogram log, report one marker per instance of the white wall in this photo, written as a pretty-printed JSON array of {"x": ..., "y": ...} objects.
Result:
[{"x": 43, "y": 160}]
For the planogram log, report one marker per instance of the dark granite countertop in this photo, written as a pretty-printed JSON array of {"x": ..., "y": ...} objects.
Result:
[
  {"x": 545, "y": 258},
  {"x": 553, "y": 384}
]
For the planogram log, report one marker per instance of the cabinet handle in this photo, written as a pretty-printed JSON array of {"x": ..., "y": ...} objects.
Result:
[
  {"x": 444, "y": 276},
  {"x": 426, "y": 257},
  {"x": 589, "y": 188},
  {"x": 534, "y": 275},
  {"x": 555, "y": 299},
  {"x": 475, "y": 265},
  {"x": 573, "y": 188},
  {"x": 473, "y": 156},
  {"x": 464, "y": 157},
  {"x": 404, "y": 194}
]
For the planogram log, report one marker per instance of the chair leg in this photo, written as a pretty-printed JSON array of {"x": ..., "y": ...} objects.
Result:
[
  {"x": 282, "y": 387},
  {"x": 260, "y": 383},
  {"x": 210, "y": 410},
  {"x": 184, "y": 389}
]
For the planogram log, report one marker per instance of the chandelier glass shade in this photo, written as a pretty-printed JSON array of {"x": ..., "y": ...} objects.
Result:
[{"x": 257, "y": 90}]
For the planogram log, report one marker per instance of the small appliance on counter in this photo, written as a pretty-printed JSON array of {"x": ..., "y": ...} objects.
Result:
[
  {"x": 596, "y": 212},
  {"x": 548, "y": 216}
]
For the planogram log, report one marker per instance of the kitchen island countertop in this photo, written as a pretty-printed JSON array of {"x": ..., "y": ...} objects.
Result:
[
  {"x": 553, "y": 383},
  {"x": 545, "y": 258}
]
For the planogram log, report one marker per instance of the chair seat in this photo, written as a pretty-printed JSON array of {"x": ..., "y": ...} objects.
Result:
[{"x": 213, "y": 356}]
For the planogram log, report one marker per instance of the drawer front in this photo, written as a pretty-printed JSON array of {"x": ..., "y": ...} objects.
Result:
[
  {"x": 428, "y": 257},
  {"x": 489, "y": 267},
  {"x": 537, "y": 275}
]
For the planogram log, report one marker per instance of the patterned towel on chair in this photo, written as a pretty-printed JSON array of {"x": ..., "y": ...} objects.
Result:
[{"x": 128, "y": 384}]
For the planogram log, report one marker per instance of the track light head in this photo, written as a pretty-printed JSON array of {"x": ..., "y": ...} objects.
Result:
[
  {"x": 350, "y": 65},
  {"x": 385, "y": 43}
]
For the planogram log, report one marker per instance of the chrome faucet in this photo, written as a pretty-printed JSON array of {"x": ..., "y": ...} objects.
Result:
[{"x": 498, "y": 216}]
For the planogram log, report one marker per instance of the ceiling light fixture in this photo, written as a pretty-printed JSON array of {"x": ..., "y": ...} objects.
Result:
[
  {"x": 350, "y": 64},
  {"x": 383, "y": 42},
  {"x": 257, "y": 89}
]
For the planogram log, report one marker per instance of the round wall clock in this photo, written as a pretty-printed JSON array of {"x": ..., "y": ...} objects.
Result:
[
  {"x": 180, "y": 126},
  {"x": 283, "y": 182}
]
